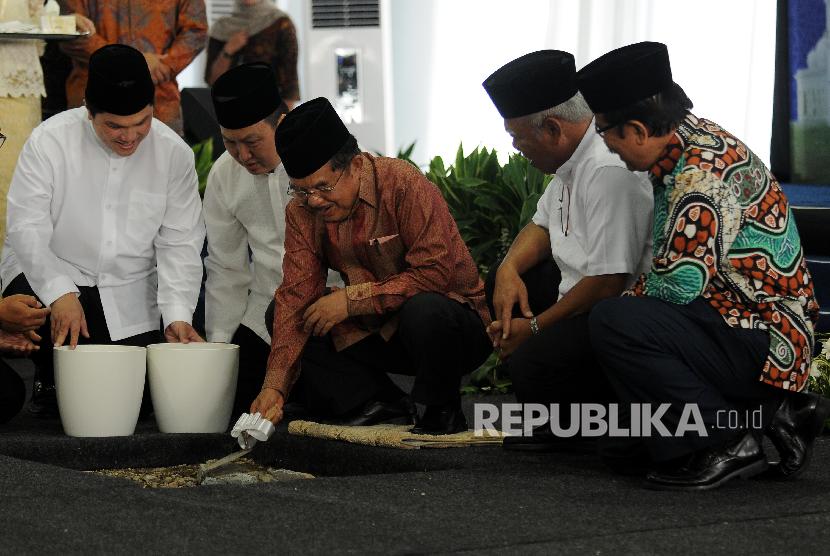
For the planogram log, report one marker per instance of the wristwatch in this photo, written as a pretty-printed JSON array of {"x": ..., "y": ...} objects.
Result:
[
  {"x": 225, "y": 54},
  {"x": 534, "y": 326}
]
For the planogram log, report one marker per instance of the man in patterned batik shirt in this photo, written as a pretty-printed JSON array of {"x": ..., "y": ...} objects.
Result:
[
  {"x": 170, "y": 34},
  {"x": 723, "y": 321}
]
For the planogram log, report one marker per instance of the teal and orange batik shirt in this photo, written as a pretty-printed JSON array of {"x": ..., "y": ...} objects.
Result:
[{"x": 724, "y": 230}]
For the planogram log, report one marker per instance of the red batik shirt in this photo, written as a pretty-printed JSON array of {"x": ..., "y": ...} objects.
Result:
[
  {"x": 400, "y": 240},
  {"x": 175, "y": 30}
]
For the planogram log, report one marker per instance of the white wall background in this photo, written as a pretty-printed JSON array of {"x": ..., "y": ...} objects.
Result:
[{"x": 722, "y": 54}]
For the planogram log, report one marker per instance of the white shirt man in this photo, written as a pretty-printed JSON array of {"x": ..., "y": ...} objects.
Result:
[
  {"x": 581, "y": 208},
  {"x": 588, "y": 240},
  {"x": 83, "y": 215},
  {"x": 245, "y": 201},
  {"x": 104, "y": 220}
]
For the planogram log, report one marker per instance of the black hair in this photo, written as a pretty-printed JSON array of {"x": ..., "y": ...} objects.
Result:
[
  {"x": 661, "y": 113},
  {"x": 344, "y": 156}
]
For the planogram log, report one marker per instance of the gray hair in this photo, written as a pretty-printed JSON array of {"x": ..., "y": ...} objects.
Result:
[{"x": 573, "y": 110}]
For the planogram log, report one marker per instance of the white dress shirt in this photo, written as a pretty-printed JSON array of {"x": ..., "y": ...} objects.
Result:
[
  {"x": 606, "y": 211},
  {"x": 242, "y": 211},
  {"x": 79, "y": 214}
]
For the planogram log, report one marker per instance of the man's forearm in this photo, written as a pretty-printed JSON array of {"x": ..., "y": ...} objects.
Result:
[
  {"x": 530, "y": 247},
  {"x": 583, "y": 296}
]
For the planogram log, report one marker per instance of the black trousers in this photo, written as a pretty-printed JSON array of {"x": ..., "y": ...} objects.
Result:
[
  {"x": 438, "y": 341},
  {"x": 12, "y": 392},
  {"x": 558, "y": 364},
  {"x": 96, "y": 325},
  {"x": 253, "y": 359},
  {"x": 658, "y": 352}
]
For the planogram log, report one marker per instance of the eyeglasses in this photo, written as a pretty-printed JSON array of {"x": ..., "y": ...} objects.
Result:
[
  {"x": 601, "y": 131},
  {"x": 304, "y": 194},
  {"x": 2, "y": 139},
  {"x": 565, "y": 219}
]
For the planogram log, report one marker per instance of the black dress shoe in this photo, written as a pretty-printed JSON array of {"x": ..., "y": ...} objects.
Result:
[
  {"x": 44, "y": 400},
  {"x": 793, "y": 429},
  {"x": 441, "y": 419},
  {"x": 374, "y": 412},
  {"x": 710, "y": 468}
]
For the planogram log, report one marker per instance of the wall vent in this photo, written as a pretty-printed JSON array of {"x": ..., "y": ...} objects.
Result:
[{"x": 344, "y": 13}]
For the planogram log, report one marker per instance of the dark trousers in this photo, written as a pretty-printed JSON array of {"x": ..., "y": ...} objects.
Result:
[
  {"x": 253, "y": 358},
  {"x": 96, "y": 325},
  {"x": 558, "y": 364},
  {"x": 658, "y": 352},
  {"x": 438, "y": 341},
  {"x": 12, "y": 392}
]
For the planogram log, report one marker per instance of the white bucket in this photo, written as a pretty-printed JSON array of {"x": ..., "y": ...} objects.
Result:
[
  {"x": 99, "y": 388},
  {"x": 193, "y": 385}
]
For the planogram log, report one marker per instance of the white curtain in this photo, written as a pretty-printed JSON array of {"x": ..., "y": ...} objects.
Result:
[{"x": 722, "y": 54}]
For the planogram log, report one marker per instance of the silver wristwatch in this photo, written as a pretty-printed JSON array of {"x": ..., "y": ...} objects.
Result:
[{"x": 534, "y": 326}]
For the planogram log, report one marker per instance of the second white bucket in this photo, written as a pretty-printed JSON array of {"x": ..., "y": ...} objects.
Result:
[{"x": 193, "y": 385}]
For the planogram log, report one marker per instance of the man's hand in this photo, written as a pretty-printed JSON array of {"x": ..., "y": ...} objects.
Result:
[
  {"x": 84, "y": 25},
  {"x": 179, "y": 332},
  {"x": 20, "y": 343},
  {"x": 510, "y": 290},
  {"x": 159, "y": 71},
  {"x": 506, "y": 346},
  {"x": 68, "y": 320},
  {"x": 326, "y": 312},
  {"x": 19, "y": 313},
  {"x": 236, "y": 43},
  {"x": 269, "y": 404}
]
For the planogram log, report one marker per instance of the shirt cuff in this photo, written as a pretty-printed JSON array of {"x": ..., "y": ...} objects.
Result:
[
  {"x": 220, "y": 337},
  {"x": 359, "y": 299},
  {"x": 56, "y": 288},
  {"x": 173, "y": 313}
]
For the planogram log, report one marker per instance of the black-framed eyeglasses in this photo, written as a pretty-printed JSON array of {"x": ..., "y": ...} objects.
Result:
[
  {"x": 601, "y": 131},
  {"x": 2, "y": 138},
  {"x": 304, "y": 194},
  {"x": 565, "y": 219}
]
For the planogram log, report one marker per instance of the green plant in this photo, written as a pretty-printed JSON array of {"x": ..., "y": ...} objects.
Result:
[
  {"x": 203, "y": 152},
  {"x": 489, "y": 202},
  {"x": 488, "y": 378},
  {"x": 820, "y": 370}
]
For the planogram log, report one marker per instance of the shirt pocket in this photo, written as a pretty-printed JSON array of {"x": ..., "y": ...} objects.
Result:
[
  {"x": 144, "y": 217},
  {"x": 387, "y": 256}
]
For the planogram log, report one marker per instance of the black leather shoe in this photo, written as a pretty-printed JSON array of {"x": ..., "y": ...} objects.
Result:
[
  {"x": 44, "y": 400},
  {"x": 793, "y": 429},
  {"x": 374, "y": 412},
  {"x": 710, "y": 468},
  {"x": 441, "y": 419}
]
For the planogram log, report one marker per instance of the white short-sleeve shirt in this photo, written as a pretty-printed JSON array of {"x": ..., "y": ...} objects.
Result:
[{"x": 598, "y": 215}]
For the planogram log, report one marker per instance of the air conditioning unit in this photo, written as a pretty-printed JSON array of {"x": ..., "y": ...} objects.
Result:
[{"x": 347, "y": 55}]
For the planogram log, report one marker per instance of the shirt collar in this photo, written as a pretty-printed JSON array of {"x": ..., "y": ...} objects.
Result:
[
  {"x": 672, "y": 153},
  {"x": 566, "y": 171}
]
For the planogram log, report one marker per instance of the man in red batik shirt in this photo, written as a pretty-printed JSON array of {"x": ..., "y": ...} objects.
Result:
[{"x": 413, "y": 303}]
